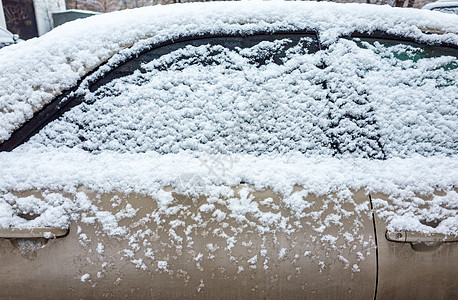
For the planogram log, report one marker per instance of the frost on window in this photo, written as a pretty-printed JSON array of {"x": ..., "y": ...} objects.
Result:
[{"x": 359, "y": 97}]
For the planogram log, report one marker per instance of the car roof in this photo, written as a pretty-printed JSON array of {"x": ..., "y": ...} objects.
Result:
[{"x": 58, "y": 60}]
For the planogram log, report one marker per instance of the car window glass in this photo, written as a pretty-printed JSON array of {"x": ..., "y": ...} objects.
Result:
[
  {"x": 401, "y": 95},
  {"x": 405, "y": 50},
  {"x": 246, "y": 95},
  {"x": 231, "y": 43},
  {"x": 363, "y": 97}
]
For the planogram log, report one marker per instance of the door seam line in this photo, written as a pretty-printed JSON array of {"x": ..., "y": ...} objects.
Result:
[{"x": 376, "y": 249}]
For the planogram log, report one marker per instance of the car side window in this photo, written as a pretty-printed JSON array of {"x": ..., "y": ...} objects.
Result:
[
  {"x": 398, "y": 93},
  {"x": 362, "y": 97},
  {"x": 261, "y": 94}
]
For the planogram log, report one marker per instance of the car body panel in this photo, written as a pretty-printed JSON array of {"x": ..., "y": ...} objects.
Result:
[
  {"x": 415, "y": 270},
  {"x": 202, "y": 256}
]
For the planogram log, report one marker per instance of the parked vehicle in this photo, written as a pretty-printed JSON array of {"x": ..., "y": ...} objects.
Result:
[
  {"x": 7, "y": 38},
  {"x": 445, "y": 6},
  {"x": 232, "y": 150}
]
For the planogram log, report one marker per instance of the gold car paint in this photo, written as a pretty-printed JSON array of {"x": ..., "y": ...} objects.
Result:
[
  {"x": 415, "y": 270},
  {"x": 309, "y": 269}
]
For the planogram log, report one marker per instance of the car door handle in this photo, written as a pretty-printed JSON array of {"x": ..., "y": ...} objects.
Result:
[
  {"x": 38, "y": 232},
  {"x": 418, "y": 237}
]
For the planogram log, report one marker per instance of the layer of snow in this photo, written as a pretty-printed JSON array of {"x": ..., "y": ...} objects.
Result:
[
  {"x": 34, "y": 72},
  {"x": 148, "y": 173},
  {"x": 327, "y": 224},
  {"x": 202, "y": 128},
  {"x": 381, "y": 101}
]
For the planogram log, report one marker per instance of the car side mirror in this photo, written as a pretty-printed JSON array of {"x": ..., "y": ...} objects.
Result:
[{"x": 15, "y": 37}]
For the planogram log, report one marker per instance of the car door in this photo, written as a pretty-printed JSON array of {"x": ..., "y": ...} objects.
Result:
[
  {"x": 414, "y": 86},
  {"x": 419, "y": 262},
  {"x": 143, "y": 221}
]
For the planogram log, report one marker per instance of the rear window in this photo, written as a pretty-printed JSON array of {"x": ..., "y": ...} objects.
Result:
[{"x": 361, "y": 97}]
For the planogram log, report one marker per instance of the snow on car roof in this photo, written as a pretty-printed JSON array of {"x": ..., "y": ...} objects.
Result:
[{"x": 35, "y": 72}]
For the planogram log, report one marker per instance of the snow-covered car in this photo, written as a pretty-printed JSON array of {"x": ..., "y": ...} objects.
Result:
[
  {"x": 445, "y": 6},
  {"x": 232, "y": 150},
  {"x": 7, "y": 38}
]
